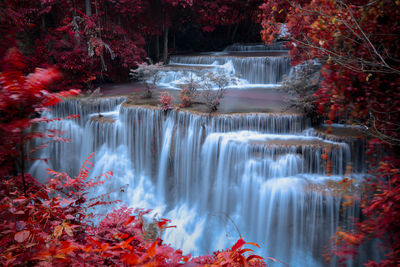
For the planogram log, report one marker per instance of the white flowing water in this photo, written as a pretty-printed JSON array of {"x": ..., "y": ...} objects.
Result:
[
  {"x": 253, "y": 66},
  {"x": 259, "y": 174},
  {"x": 255, "y": 70},
  {"x": 277, "y": 46}
]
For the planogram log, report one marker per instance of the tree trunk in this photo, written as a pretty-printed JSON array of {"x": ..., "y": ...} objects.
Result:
[
  {"x": 165, "y": 53},
  {"x": 174, "y": 42},
  {"x": 227, "y": 37},
  {"x": 234, "y": 32},
  {"x": 22, "y": 165},
  {"x": 44, "y": 30},
  {"x": 157, "y": 47},
  {"x": 88, "y": 8}
]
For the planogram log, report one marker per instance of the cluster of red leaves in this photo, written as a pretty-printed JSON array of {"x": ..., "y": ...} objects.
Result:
[
  {"x": 186, "y": 98},
  {"x": 358, "y": 50},
  {"x": 382, "y": 217},
  {"x": 50, "y": 227},
  {"x": 61, "y": 34},
  {"x": 381, "y": 209},
  {"x": 234, "y": 256},
  {"x": 357, "y": 43},
  {"x": 21, "y": 97},
  {"x": 166, "y": 100},
  {"x": 211, "y": 14}
]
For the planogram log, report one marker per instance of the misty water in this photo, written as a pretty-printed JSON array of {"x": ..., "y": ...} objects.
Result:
[{"x": 258, "y": 175}]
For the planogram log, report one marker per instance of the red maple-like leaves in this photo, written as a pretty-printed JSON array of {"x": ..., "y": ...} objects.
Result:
[{"x": 21, "y": 98}]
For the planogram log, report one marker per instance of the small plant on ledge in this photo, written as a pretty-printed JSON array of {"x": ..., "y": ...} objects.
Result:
[
  {"x": 149, "y": 74},
  {"x": 189, "y": 91},
  {"x": 214, "y": 88},
  {"x": 166, "y": 101}
]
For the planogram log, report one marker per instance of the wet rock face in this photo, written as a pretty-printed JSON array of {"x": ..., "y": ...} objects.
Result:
[{"x": 102, "y": 119}]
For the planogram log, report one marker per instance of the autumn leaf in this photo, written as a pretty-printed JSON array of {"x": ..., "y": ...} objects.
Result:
[
  {"x": 58, "y": 231},
  {"x": 69, "y": 217},
  {"x": 238, "y": 244},
  {"x": 131, "y": 259},
  {"x": 254, "y": 244},
  {"x": 151, "y": 251},
  {"x": 21, "y": 236},
  {"x": 130, "y": 220},
  {"x": 255, "y": 257},
  {"x": 68, "y": 229}
]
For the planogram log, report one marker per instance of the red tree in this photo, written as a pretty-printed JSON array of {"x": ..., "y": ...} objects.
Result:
[
  {"x": 211, "y": 14},
  {"x": 86, "y": 41},
  {"x": 21, "y": 98}
]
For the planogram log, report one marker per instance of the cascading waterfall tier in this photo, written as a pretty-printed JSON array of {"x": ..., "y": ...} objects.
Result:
[
  {"x": 255, "y": 69},
  {"x": 85, "y": 107},
  {"x": 256, "y": 47},
  {"x": 252, "y": 66},
  {"x": 262, "y": 171}
]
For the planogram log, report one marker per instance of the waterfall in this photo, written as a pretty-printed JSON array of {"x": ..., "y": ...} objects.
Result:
[
  {"x": 165, "y": 156},
  {"x": 256, "y": 47},
  {"x": 254, "y": 69},
  {"x": 253, "y": 66},
  {"x": 262, "y": 171}
]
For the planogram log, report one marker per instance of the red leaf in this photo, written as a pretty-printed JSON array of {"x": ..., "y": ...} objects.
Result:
[
  {"x": 68, "y": 230},
  {"x": 20, "y": 212},
  {"x": 238, "y": 244},
  {"x": 254, "y": 244},
  {"x": 255, "y": 257},
  {"x": 21, "y": 236},
  {"x": 131, "y": 219},
  {"x": 151, "y": 251},
  {"x": 161, "y": 224},
  {"x": 131, "y": 259},
  {"x": 58, "y": 230},
  {"x": 245, "y": 250}
]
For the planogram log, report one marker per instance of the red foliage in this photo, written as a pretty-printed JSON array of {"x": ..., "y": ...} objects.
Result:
[
  {"x": 50, "y": 226},
  {"x": 210, "y": 14},
  {"x": 235, "y": 256},
  {"x": 166, "y": 100},
  {"x": 60, "y": 33},
  {"x": 21, "y": 97},
  {"x": 186, "y": 98},
  {"x": 357, "y": 44}
]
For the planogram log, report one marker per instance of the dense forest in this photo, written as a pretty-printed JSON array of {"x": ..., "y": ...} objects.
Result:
[{"x": 54, "y": 49}]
